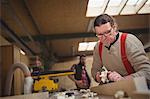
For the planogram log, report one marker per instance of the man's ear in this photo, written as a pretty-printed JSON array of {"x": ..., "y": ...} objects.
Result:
[{"x": 115, "y": 27}]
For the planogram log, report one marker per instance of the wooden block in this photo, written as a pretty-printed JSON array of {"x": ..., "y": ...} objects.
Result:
[
  {"x": 141, "y": 95},
  {"x": 129, "y": 86}
]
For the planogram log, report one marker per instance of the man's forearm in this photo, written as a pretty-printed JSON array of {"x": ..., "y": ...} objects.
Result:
[
  {"x": 72, "y": 78},
  {"x": 128, "y": 77}
]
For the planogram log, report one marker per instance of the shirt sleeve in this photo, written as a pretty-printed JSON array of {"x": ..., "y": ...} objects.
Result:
[
  {"x": 137, "y": 57},
  {"x": 73, "y": 67},
  {"x": 96, "y": 66}
]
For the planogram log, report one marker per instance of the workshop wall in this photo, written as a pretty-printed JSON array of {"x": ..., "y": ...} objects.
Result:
[
  {"x": 3, "y": 41},
  {"x": 10, "y": 54}
]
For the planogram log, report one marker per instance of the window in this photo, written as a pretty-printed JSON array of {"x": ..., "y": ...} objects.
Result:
[
  {"x": 117, "y": 7},
  {"x": 86, "y": 46}
]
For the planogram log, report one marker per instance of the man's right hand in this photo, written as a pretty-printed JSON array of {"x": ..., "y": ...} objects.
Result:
[
  {"x": 98, "y": 78},
  {"x": 79, "y": 82}
]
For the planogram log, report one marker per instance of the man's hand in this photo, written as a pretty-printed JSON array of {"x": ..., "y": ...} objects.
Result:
[
  {"x": 114, "y": 76},
  {"x": 80, "y": 84},
  {"x": 98, "y": 78}
]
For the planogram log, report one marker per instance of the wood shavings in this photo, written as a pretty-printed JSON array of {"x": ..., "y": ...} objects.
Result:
[
  {"x": 104, "y": 74},
  {"x": 119, "y": 94}
]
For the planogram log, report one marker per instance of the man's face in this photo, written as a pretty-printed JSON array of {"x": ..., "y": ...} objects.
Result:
[
  {"x": 105, "y": 33},
  {"x": 83, "y": 59}
]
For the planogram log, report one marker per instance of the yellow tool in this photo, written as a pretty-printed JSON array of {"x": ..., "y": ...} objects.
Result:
[{"x": 43, "y": 80}]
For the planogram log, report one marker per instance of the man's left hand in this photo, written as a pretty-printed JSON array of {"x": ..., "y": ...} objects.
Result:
[{"x": 114, "y": 76}]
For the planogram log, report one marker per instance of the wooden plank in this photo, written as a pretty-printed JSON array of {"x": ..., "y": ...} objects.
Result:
[
  {"x": 6, "y": 62},
  {"x": 42, "y": 95}
]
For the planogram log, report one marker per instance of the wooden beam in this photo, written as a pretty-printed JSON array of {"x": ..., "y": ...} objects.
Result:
[{"x": 78, "y": 35}]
